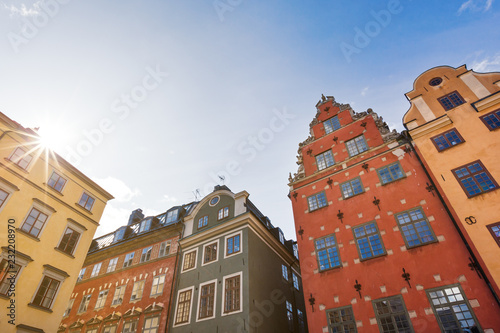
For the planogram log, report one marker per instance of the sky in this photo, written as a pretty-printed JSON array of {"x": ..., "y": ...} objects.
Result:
[{"x": 154, "y": 100}]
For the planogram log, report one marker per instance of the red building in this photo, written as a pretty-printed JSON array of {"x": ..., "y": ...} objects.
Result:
[
  {"x": 126, "y": 281},
  {"x": 379, "y": 251}
]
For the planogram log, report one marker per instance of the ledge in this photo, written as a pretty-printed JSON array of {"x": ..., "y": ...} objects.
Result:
[
  {"x": 39, "y": 307},
  {"x": 17, "y": 166},
  {"x": 14, "y": 187},
  {"x": 66, "y": 254},
  {"x": 53, "y": 189},
  {"x": 22, "y": 232},
  {"x": 85, "y": 209},
  {"x": 43, "y": 204}
]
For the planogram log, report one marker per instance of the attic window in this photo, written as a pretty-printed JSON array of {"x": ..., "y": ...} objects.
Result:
[
  {"x": 435, "y": 81},
  {"x": 145, "y": 225},
  {"x": 172, "y": 216}
]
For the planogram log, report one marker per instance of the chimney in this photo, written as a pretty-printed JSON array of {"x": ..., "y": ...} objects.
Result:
[{"x": 136, "y": 216}]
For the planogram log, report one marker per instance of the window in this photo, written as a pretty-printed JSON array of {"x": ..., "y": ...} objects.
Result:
[
  {"x": 130, "y": 327},
  {"x": 164, "y": 248},
  {"x": 137, "y": 290},
  {"x": 284, "y": 272},
  {"x": 341, "y": 320},
  {"x": 151, "y": 325},
  {"x": 451, "y": 100},
  {"x": 207, "y": 301},
  {"x": 331, "y": 124},
  {"x": 351, "y": 188},
  {"x": 118, "y": 296},
  {"x": 452, "y": 309},
  {"x": 295, "y": 279},
  {"x": 81, "y": 274},
  {"x": 495, "y": 231},
  {"x": 447, "y": 140},
  {"x": 435, "y": 81},
  {"x": 327, "y": 253},
  {"x": 34, "y": 222},
  {"x": 3, "y": 197},
  {"x": 56, "y": 181},
  {"x": 109, "y": 329},
  {"x": 146, "y": 254},
  {"x": 223, "y": 213},
  {"x": 101, "y": 299},
  {"x": 21, "y": 158},
  {"x": 183, "y": 306},
  {"x": 317, "y": 201},
  {"x": 157, "y": 286},
  {"x": 492, "y": 120},
  {"x": 84, "y": 304},
  {"x": 91, "y": 330},
  {"x": 128, "y": 259},
  {"x": 390, "y": 173},
  {"x": 392, "y": 316},
  {"x": 415, "y": 228},
  {"x": 189, "y": 260},
  {"x": 282, "y": 237},
  {"x": 172, "y": 216},
  {"x": 356, "y": 146},
  {"x": 232, "y": 244},
  {"x": 210, "y": 253},
  {"x": 232, "y": 294},
  {"x": 289, "y": 315},
  {"x": 96, "y": 269},
  {"x": 8, "y": 273},
  {"x": 86, "y": 201},
  {"x": 302, "y": 324},
  {"x": 295, "y": 251},
  {"x": 474, "y": 178},
  {"x": 203, "y": 221},
  {"x": 325, "y": 160},
  {"x": 368, "y": 241},
  {"x": 69, "y": 240},
  {"x": 145, "y": 225},
  {"x": 69, "y": 307},
  {"x": 112, "y": 265},
  {"x": 47, "y": 291}
]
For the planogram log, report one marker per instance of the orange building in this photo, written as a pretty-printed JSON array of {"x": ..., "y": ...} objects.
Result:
[
  {"x": 379, "y": 252},
  {"x": 126, "y": 282},
  {"x": 454, "y": 122}
]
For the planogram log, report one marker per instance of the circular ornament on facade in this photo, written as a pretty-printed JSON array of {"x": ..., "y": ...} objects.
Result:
[
  {"x": 214, "y": 201},
  {"x": 435, "y": 81}
]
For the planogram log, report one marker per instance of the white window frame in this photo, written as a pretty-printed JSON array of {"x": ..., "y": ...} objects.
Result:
[
  {"x": 81, "y": 274},
  {"x": 190, "y": 306},
  {"x": 195, "y": 259},
  {"x": 94, "y": 272},
  {"x": 153, "y": 285},
  {"x": 240, "y": 274},
  {"x": 143, "y": 282},
  {"x": 241, "y": 244},
  {"x": 132, "y": 322},
  {"x": 151, "y": 318},
  {"x": 81, "y": 302},
  {"x": 125, "y": 261},
  {"x": 71, "y": 302},
  {"x": 199, "y": 299},
  {"x": 101, "y": 299},
  {"x": 144, "y": 255},
  {"x": 112, "y": 265},
  {"x": 75, "y": 227},
  {"x": 9, "y": 189},
  {"x": 122, "y": 294},
  {"x": 167, "y": 243},
  {"x": 203, "y": 263}
]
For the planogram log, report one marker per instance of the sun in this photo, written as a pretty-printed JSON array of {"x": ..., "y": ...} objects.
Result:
[{"x": 48, "y": 139}]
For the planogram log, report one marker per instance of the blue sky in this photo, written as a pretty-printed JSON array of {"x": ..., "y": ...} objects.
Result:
[{"x": 154, "y": 99}]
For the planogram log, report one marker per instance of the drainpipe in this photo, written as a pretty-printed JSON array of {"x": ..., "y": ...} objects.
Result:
[
  {"x": 175, "y": 281},
  {"x": 471, "y": 253}
]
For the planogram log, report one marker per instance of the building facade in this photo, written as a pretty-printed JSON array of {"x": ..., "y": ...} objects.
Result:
[
  {"x": 379, "y": 252},
  {"x": 238, "y": 273},
  {"x": 126, "y": 282},
  {"x": 454, "y": 122},
  {"x": 49, "y": 212}
]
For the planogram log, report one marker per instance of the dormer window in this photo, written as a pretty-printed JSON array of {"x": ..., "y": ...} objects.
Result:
[
  {"x": 145, "y": 225},
  {"x": 119, "y": 235},
  {"x": 282, "y": 238},
  {"x": 172, "y": 216},
  {"x": 331, "y": 124}
]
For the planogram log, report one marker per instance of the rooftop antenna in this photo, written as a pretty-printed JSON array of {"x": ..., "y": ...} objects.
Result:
[
  {"x": 197, "y": 194},
  {"x": 222, "y": 178}
]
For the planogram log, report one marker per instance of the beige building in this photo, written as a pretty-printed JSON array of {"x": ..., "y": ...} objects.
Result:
[
  {"x": 49, "y": 212},
  {"x": 454, "y": 122}
]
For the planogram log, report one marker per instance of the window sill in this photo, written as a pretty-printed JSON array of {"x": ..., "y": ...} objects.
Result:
[
  {"x": 2, "y": 296},
  {"x": 39, "y": 307},
  {"x": 393, "y": 181},
  {"x": 66, "y": 254},
  {"x": 354, "y": 195},
  {"x": 329, "y": 269},
  {"x": 375, "y": 257},
  {"x": 53, "y": 189},
  {"x": 420, "y": 245},
  {"x": 310, "y": 211},
  {"x": 484, "y": 192},
  {"x": 22, "y": 232},
  {"x": 85, "y": 209}
]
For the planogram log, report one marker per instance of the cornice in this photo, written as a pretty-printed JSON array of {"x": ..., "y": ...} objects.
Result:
[{"x": 430, "y": 127}]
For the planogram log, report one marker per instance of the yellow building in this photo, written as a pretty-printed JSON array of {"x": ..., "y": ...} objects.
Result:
[
  {"x": 454, "y": 122},
  {"x": 49, "y": 212}
]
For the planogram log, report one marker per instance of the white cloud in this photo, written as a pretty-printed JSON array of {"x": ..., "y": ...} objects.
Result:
[
  {"x": 24, "y": 10},
  {"x": 169, "y": 199},
  {"x": 487, "y": 64},
  {"x": 118, "y": 189},
  {"x": 475, "y": 6},
  {"x": 112, "y": 218},
  {"x": 364, "y": 91}
]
